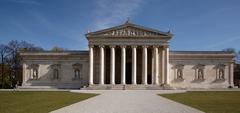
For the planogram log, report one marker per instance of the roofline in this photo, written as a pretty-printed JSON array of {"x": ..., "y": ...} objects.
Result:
[
  {"x": 203, "y": 52},
  {"x": 130, "y": 24},
  {"x": 49, "y": 51},
  {"x": 86, "y": 51},
  {"x": 53, "y": 53}
]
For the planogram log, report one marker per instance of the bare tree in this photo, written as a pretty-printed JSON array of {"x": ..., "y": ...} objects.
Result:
[
  {"x": 229, "y": 50},
  {"x": 3, "y": 53},
  {"x": 237, "y": 54},
  {"x": 11, "y": 60},
  {"x": 238, "y": 57},
  {"x": 57, "y": 49},
  {"x": 14, "y": 59}
]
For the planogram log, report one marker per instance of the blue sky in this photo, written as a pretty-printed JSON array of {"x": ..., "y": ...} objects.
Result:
[{"x": 196, "y": 24}]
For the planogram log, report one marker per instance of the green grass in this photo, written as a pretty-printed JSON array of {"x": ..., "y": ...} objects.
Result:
[
  {"x": 209, "y": 101},
  {"x": 37, "y": 102}
]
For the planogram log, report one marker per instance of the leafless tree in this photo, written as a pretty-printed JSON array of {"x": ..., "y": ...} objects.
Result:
[
  {"x": 3, "y": 53},
  {"x": 14, "y": 47},
  {"x": 10, "y": 57},
  {"x": 235, "y": 52}
]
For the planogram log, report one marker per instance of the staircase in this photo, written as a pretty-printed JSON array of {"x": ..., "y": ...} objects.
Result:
[{"x": 126, "y": 87}]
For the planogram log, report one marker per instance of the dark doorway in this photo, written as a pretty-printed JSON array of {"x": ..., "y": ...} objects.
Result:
[
  {"x": 107, "y": 66},
  {"x": 128, "y": 73},
  {"x": 149, "y": 79}
]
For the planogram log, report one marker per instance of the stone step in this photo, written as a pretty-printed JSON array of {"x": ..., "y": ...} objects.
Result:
[
  {"x": 36, "y": 87},
  {"x": 127, "y": 87}
]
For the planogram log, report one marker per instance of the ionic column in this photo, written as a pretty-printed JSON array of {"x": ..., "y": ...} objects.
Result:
[
  {"x": 123, "y": 65},
  {"x": 24, "y": 78},
  {"x": 163, "y": 66},
  {"x": 134, "y": 65},
  {"x": 112, "y": 70},
  {"x": 101, "y": 64},
  {"x": 231, "y": 68},
  {"x": 90, "y": 65},
  {"x": 144, "y": 65},
  {"x": 153, "y": 66},
  {"x": 156, "y": 65},
  {"x": 167, "y": 64}
]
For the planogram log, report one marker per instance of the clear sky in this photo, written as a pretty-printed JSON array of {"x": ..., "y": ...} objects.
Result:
[{"x": 196, "y": 24}]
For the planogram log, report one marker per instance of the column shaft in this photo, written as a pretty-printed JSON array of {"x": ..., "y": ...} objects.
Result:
[
  {"x": 231, "y": 68},
  {"x": 24, "y": 78},
  {"x": 144, "y": 65},
  {"x": 163, "y": 66},
  {"x": 167, "y": 65},
  {"x": 123, "y": 65},
  {"x": 153, "y": 66},
  {"x": 90, "y": 65},
  {"x": 134, "y": 65},
  {"x": 101, "y": 65},
  {"x": 156, "y": 63},
  {"x": 112, "y": 73}
]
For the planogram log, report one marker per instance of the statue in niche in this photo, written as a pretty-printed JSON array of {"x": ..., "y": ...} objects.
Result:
[
  {"x": 77, "y": 74},
  {"x": 55, "y": 74},
  {"x": 221, "y": 74},
  {"x": 200, "y": 73},
  {"x": 179, "y": 74},
  {"x": 35, "y": 74}
]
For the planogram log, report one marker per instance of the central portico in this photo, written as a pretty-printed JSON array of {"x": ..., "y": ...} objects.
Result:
[{"x": 128, "y": 54}]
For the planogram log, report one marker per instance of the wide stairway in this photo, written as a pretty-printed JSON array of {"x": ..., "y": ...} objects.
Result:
[{"x": 126, "y": 87}]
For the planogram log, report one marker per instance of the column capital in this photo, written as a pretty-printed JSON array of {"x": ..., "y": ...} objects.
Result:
[
  {"x": 112, "y": 46},
  {"x": 123, "y": 46},
  {"x": 145, "y": 46},
  {"x": 165, "y": 46},
  {"x": 134, "y": 46},
  {"x": 232, "y": 62},
  {"x": 155, "y": 46},
  {"x": 90, "y": 46},
  {"x": 101, "y": 46}
]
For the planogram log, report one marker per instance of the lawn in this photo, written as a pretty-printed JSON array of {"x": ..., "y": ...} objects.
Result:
[
  {"x": 209, "y": 101},
  {"x": 38, "y": 102}
]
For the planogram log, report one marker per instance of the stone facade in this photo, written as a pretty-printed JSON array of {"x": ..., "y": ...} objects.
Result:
[
  {"x": 206, "y": 69},
  {"x": 128, "y": 54},
  {"x": 68, "y": 69}
]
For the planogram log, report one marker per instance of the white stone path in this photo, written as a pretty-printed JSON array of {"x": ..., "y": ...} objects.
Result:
[{"x": 127, "y": 101}]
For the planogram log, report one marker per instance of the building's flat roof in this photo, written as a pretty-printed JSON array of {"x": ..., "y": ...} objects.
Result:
[
  {"x": 201, "y": 52},
  {"x": 66, "y": 52},
  {"x": 86, "y": 52}
]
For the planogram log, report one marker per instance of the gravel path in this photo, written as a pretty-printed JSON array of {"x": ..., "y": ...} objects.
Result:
[{"x": 127, "y": 101}]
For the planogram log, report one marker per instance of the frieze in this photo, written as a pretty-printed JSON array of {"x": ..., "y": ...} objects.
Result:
[
  {"x": 129, "y": 31},
  {"x": 126, "y": 42}
]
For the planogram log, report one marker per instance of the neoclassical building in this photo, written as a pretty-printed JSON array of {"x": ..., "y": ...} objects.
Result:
[{"x": 128, "y": 56}]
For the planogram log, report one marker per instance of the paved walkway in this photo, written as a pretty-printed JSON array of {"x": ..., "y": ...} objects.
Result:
[{"x": 127, "y": 101}]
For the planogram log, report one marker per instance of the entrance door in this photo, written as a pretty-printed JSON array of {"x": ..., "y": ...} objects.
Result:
[
  {"x": 149, "y": 79},
  {"x": 128, "y": 73}
]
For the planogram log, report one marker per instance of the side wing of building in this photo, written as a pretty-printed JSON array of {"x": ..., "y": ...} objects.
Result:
[
  {"x": 67, "y": 69},
  {"x": 201, "y": 69}
]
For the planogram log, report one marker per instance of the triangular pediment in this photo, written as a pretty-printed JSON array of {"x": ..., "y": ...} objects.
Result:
[{"x": 128, "y": 30}]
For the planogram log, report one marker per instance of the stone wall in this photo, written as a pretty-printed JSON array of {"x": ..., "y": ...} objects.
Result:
[
  {"x": 190, "y": 81},
  {"x": 66, "y": 75},
  {"x": 210, "y": 62},
  {"x": 45, "y": 63}
]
